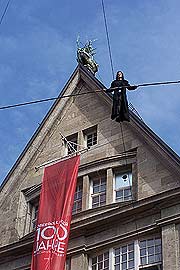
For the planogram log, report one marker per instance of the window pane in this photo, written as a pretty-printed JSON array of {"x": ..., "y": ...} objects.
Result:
[
  {"x": 151, "y": 259},
  {"x": 142, "y": 244},
  {"x": 103, "y": 187},
  {"x": 103, "y": 198},
  {"x": 124, "y": 257},
  {"x": 131, "y": 247},
  {"x": 106, "y": 263},
  {"x": 100, "y": 258},
  {"x": 95, "y": 199},
  {"x": 157, "y": 249},
  {"x": 124, "y": 249},
  {"x": 79, "y": 205},
  {"x": 100, "y": 266},
  {"x": 150, "y": 242},
  {"x": 117, "y": 259},
  {"x": 157, "y": 241},
  {"x": 117, "y": 251},
  {"x": 143, "y": 252},
  {"x": 124, "y": 266},
  {"x": 94, "y": 260},
  {"x": 127, "y": 192},
  {"x": 106, "y": 255},
  {"x": 123, "y": 180},
  {"x": 131, "y": 264},
  {"x": 131, "y": 255},
  {"x": 96, "y": 182},
  {"x": 119, "y": 194},
  {"x": 96, "y": 189},
  {"x": 158, "y": 258},
  {"x": 143, "y": 260},
  {"x": 151, "y": 250}
]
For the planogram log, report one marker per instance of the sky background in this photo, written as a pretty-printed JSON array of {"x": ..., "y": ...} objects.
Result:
[{"x": 38, "y": 54}]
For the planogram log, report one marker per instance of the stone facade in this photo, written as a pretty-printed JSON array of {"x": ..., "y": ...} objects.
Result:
[{"x": 145, "y": 221}]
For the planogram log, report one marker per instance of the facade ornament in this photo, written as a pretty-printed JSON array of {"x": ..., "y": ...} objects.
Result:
[{"x": 85, "y": 56}]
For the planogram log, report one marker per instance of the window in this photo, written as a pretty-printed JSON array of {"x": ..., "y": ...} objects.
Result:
[
  {"x": 150, "y": 251},
  {"x": 123, "y": 186},
  {"x": 91, "y": 139},
  {"x": 34, "y": 206},
  {"x": 71, "y": 143},
  {"x": 90, "y": 136},
  {"x": 129, "y": 256},
  {"x": 77, "y": 207},
  {"x": 98, "y": 195},
  {"x": 34, "y": 216},
  {"x": 124, "y": 257},
  {"x": 101, "y": 262}
]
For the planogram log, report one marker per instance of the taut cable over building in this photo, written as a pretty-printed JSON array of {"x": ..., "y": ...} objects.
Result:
[{"x": 126, "y": 211}]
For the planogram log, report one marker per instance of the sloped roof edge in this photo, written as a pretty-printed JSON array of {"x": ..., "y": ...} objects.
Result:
[
  {"x": 137, "y": 122},
  {"x": 155, "y": 138},
  {"x": 38, "y": 129}
]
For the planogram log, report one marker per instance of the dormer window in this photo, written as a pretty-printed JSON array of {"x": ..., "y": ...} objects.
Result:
[
  {"x": 71, "y": 143},
  {"x": 90, "y": 136}
]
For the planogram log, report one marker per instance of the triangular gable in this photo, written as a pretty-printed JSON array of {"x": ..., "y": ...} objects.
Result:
[{"x": 79, "y": 76}]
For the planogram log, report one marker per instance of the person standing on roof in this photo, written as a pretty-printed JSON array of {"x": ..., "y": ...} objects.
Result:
[{"x": 120, "y": 111}]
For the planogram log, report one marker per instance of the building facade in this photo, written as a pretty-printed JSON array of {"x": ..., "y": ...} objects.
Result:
[{"x": 126, "y": 212}]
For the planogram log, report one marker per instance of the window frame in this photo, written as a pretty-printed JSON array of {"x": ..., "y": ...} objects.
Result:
[
  {"x": 97, "y": 255},
  {"x": 137, "y": 265},
  {"x": 70, "y": 143},
  {"x": 150, "y": 264},
  {"x": 94, "y": 178},
  {"x": 34, "y": 205},
  {"x": 130, "y": 187},
  {"x": 88, "y": 132},
  {"x": 79, "y": 184}
]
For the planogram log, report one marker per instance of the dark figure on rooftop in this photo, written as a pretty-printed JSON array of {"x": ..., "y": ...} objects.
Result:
[{"x": 120, "y": 111}]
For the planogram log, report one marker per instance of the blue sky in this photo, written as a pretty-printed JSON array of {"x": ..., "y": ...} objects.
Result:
[{"x": 38, "y": 54}]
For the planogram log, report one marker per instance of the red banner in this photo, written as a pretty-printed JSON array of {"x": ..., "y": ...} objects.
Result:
[{"x": 54, "y": 216}]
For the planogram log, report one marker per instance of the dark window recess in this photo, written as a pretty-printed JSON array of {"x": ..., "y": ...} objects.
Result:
[
  {"x": 77, "y": 207},
  {"x": 99, "y": 192}
]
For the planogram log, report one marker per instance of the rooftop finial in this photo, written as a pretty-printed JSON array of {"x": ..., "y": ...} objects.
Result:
[{"x": 85, "y": 55}]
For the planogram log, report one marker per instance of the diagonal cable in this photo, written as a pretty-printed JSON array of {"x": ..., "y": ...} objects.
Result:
[{"x": 5, "y": 11}]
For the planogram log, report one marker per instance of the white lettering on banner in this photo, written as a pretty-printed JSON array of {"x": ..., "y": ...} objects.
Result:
[{"x": 51, "y": 237}]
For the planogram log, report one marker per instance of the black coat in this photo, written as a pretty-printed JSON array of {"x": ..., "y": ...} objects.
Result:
[{"x": 120, "y": 110}]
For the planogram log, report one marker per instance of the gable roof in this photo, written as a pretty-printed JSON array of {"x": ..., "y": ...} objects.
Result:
[{"x": 82, "y": 74}]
